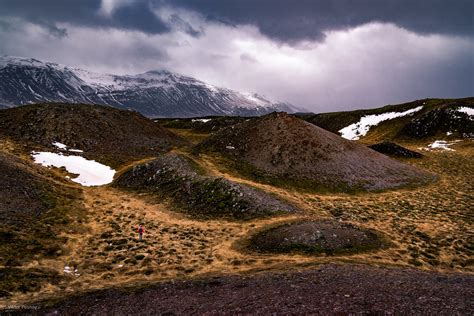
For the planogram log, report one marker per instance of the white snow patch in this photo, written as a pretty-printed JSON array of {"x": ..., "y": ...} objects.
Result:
[
  {"x": 76, "y": 150},
  {"x": 230, "y": 147},
  {"x": 201, "y": 120},
  {"x": 69, "y": 270},
  {"x": 441, "y": 145},
  {"x": 64, "y": 147},
  {"x": 465, "y": 109},
  {"x": 95, "y": 79},
  {"x": 59, "y": 145},
  {"x": 361, "y": 128},
  {"x": 449, "y": 133},
  {"x": 90, "y": 172},
  {"x": 256, "y": 100}
]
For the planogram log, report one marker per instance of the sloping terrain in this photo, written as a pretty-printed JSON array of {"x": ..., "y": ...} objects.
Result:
[
  {"x": 105, "y": 133},
  {"x": 34, "y": 210},
  {"x": 282, "y": 147},
  {"x": 329, "y": 289},
  {"x": 436, "y": 117},
  {"x": 443, "y": 120},
  {"x": 175, "y": 176},
  {"x": 154, "y": 93},
  {"x": 32, "y": 207}
]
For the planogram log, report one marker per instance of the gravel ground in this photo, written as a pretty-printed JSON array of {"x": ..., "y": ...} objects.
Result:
[{"x": 328, "y": 289}]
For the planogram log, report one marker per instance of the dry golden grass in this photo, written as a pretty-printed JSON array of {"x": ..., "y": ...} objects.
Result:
[
  {"x": 430, "y": 227},
  {"x": 190, "y": 135}
]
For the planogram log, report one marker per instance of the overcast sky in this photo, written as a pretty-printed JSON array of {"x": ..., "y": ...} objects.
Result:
[{"x": 322, "y": 55}]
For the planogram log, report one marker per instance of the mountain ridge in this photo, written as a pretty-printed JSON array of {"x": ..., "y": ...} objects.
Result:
[{"x": 156, "y": 93}]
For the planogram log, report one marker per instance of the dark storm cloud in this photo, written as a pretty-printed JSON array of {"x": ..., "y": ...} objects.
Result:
[
  {"x": 323, "y": 55},
  {"x": 137, "y": 15},
  {"x": 284, "y": 20},
  {"x": 291, "y": 21}
]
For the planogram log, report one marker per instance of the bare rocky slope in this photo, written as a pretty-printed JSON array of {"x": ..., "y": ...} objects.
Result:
[
  {"x": 177, "y": 177},
  {"x": 100, "y": 131},
  {"x": 329, "y": 289},
  {"x": 281, "y": 147}
]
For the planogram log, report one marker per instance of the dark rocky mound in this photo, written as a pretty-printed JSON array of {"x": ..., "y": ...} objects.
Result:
[
  {"x": 440, "y": 121},
  {"x": 314, "y": 237},
  {"x": 392, "y": 149},
  {"x": 33, "y": 211},
  {"x": 178, "y": 178},
  {"x": 282, "y": 149},
  {"x": 97, "y": 130}
]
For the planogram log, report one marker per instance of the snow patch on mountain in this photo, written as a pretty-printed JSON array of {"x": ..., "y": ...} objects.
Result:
[
  {"x": 361, "y": 128},
  {"x": 90, "y": 172}
]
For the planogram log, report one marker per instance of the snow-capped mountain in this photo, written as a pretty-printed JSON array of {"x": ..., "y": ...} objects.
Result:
[{"x": 154, "y": 93}]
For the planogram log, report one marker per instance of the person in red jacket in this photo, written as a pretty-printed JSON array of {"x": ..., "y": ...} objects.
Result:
[{"x": 140, "y": 230}]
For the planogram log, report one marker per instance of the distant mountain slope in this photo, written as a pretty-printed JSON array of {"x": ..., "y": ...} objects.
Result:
[
  {"x": 414, "y": 120},
  {"x": 154, "y": 93},
  {"x": 283, "y": 148}
]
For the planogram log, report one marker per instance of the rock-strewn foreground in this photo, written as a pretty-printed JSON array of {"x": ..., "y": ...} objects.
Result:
[{"x": 329, "y": 289}]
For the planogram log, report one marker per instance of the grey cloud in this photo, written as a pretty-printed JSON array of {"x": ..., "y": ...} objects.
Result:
[
  {"x": 248, "y": 58},
  {"x": 137, "y": 16},
  {"x": 292, "y": 21},
  {"x": 177, "y": 22},
  {"x": 58, "y": 32},
  {"x": 283, "y": 20},
  {"x": 219, "y": 56}
]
